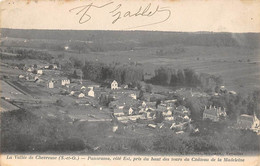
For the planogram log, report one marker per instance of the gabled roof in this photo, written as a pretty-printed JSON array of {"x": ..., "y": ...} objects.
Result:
[
  {"x": 246, "y": 117},
  {"x": 78, "y": 93},
  {"x": 114, "y": 82}
]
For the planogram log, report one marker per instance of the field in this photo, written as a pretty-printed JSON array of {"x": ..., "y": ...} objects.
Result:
[{"x": 236, "y": 57}]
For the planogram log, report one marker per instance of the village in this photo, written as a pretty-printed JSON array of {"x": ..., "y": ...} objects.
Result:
[{"x": 47, "y": 89}]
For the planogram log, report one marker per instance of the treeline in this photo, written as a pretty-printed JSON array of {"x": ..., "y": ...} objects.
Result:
[
  {"x": 26, "y": 54},
  {"x": 122, "y": 73},
  {"x": 185, "y": 78},
  {"x": 147, "y": 38}
]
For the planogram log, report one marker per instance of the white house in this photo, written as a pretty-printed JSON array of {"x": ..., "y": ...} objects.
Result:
[
  {"x": 29, "y": 69},
  {"x": 143, "y": 104},
  {"x": 39, "y": 72},
  {"x": 21, "y": 76},
  {"x": 133, "y": 96},
  {"x": 130, "y": 111},
  {"x": 81, "y": 95},
  {"x": 250, "y": 122},
  {"x": 72, "y": 92},
  {"x": 50, "y": 85},
  {"x": 114, "y": 85},
  {"x": 55, "y": 66},
  {"x": 152, "y": 125},
  {"x": 169, "y": 118},
  {"x": 115, "y": 128},
  {"x": 83, "y": 87},
  {"x": 65, "y": 82},
  {"x": 66, "y": 47},
  {"x": 167, "y": 113},
  {"x": 91, "y": 92},
  {"x": 118, "y": 112},
  {"x": 36, "y": 77},
  {"x": 214, "y": 113}
]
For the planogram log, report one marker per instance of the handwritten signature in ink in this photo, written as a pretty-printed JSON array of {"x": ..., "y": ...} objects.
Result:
[{"x": 118, "y": 14}]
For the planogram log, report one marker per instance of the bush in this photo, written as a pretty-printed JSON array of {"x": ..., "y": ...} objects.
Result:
[{"x": 70, "y": 144}]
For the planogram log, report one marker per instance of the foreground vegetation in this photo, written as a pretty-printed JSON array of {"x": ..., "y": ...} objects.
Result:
[{"x": 22, "y": 131}]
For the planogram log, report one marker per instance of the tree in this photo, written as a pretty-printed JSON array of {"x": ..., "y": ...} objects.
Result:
[
  {"x": 148, "y": 88},
  {"x": 51, "y": 67},
  {"x": 141, "y": 95},
  {"x": 158, "y": 117}
]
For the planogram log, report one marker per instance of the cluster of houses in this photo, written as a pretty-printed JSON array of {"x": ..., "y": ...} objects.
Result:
[
  {"x": 126, "y": 107},
  {"x": 35, "y": 72},
  {"x": 244, "y": 121}
]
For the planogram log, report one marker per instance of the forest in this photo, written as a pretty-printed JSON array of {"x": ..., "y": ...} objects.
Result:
[{"x": 164, "y": 76}]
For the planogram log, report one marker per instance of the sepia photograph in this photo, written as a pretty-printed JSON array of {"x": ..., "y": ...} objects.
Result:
[{"x": 127, "y": 91}]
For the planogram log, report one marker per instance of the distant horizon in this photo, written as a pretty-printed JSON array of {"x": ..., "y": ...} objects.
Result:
[{"x": 194, "y": 32}]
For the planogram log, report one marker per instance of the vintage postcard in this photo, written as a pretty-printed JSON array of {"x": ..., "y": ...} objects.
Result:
[{"x": 130, "y": 82}]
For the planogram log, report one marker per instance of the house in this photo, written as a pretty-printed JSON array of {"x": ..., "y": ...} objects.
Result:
[
  {"x": 91, "y": 93},
  {"x": 152, "y": 125},
  {"x": 38, "y": 80},
  {"x": 169, "y": 118},
  {"x": 213, "y": 113},
  {"x": 143, "y": 104},
  {"x": 21, "y": 76},
  {"x": 167, "y": 113},
  {"x": 118, "y": 112},
  {"x": 232, "y": 92},
  {"x": 65, "y": 82},
  {"x": 161, "y": 107},
  {"x": 72, "y": 92},
  {"x": 250, "y": 122},
  {"x": 149, "y": 114},
  {"x": 115, "y": 128},
  {"x": 222, "y": 89},
  {"x": 122, "y": 100},
  {"x": 170, "y": 103},
  {"x": 79, "y": 94},
  {"x": 40, "y": 72},
  {"x": 50, "y": 84},
  {"x": 114, "y": 85},
  {"x": 93, "y": 86},
  {"x": 181, "y": 110},
  {"x": 54, "y": 66},
  {"x": 129, "y": 110},
  {"x": 150, "y": 105},
  {"x": 66, "y": 47},
  {"x": 29, "y": 69},
  {"x": 186, "y": 119},
  {"x": 116, "y": 104},
  {"x": 83, "y": 87},
  {"x": 179, "y": 126},
  {"x": 133, "y": 96}
]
